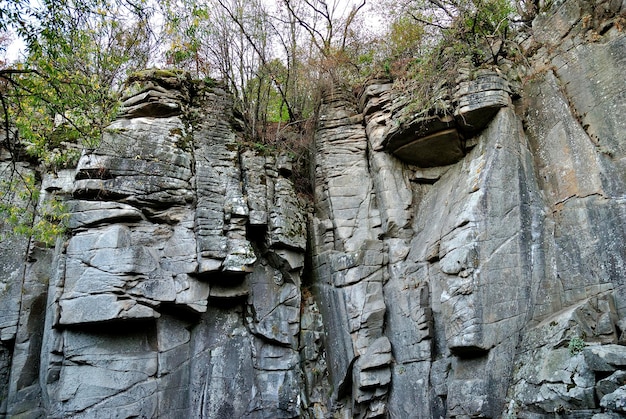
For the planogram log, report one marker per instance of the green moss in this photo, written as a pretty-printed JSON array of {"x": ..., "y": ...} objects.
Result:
[
  {"x": 168, "y": 78},
  {"x": 115, "y": 130},
  {"x": 260, "y": 148},
  {"x": 64, "y": 133},
  {"x": 168, "y": 73},
  {"x": 209, "y": 82},
  {"x": 185, "y": 142},
  {"x": 152, "y": 73}
]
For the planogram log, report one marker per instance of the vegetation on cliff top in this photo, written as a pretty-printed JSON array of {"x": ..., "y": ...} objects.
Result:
[{"x": 275, "y": 57}]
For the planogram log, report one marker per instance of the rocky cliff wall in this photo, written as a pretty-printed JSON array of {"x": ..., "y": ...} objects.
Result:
[
  {"x": 465, "y": 265},
  {"x": 177, "y": 288}
]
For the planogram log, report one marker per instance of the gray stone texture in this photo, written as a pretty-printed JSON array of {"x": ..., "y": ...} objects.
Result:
[
  {"x": 160, "y": 302},
  {"x": 469, "y": 264},
  {"x": 349, "y": 259}
]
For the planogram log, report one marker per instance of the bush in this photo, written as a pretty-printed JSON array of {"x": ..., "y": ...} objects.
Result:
[{"x": 576, "y": 345}]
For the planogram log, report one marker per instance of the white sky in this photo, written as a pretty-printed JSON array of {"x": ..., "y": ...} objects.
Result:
[{"x": 17, "y": 48}]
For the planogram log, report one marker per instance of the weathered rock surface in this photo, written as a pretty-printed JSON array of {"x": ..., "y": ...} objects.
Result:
[
  {"x": 160, "y": 302},
  {"x": 440, "y": 139},
  {"x": 462, "y": 265},
  {"x": 350, "y": 260}
]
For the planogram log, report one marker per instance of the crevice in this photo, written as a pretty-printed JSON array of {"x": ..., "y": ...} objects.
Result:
[
  {"x": 559, "y": 204},
  {"x": 98, "y": 195},
  {"x": 112, "y": 326},
  {"x": 179, "y": 311},
  {"x": 221, "y": 278},
  {"x": 100, "y": 173},
  {"x": 469, "y": 352},
  {"x": 106, "y": 400},
  {"x": 425, "y": 181},
  {"x": 580, "y": 119},
  {"x": 227, "y": 302}
]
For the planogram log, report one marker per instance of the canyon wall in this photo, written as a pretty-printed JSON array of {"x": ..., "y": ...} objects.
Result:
[{"x": 462, "y": 265}]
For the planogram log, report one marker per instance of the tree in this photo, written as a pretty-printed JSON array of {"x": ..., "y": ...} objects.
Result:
[
  {"x": 242, "y": 42},
  {"x": 329, "y": 25},
  {"x": 59, "y": 97},
  {"x": 479, "y": 27}
]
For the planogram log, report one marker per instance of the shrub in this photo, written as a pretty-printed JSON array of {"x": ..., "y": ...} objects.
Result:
[{"x": 576, "y": 345}]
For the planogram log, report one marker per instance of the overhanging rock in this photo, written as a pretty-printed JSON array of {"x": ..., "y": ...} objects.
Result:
[{"x": 439, "y": 140}]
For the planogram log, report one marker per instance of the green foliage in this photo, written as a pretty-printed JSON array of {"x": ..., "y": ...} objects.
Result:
[
  {"x": 20, "y": 214},
  {"x": 484, "y": 27},
  {"x": 54, "y": 109},
  {"x": 428, "y": 41},
  {"x": 265, "y": 103},
  {"x": 50, "y": 223},
  {"x": 405, "y": 38},
  {"x": 476, "y": 29},
  {"x": 65, "y": 90},
  {"x": 387, "y": 67},
  {"x": 188, "y": 26},
  {"x": 576, "y": 345},
  {"x": 62, "y": 93}
]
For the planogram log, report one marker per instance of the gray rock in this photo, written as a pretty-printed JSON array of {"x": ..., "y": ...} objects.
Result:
[
  {"x": 93, "y": 371},
  {"x": 438, "y": 149},
  {"x": 377, "y": 355},
  {"x": 240, "y": 257},
  {"x": 478, "y": 100},
  {"x": 610, "y": 384},
  {"x": 615, "y": 401},
  {"x": 192, "y": 293},
  {"x": 393, "y": 191},
  {"x": 275, "y": 307},
  {"x": 132, "y": 153},
  {"x": 378, "y": 377},
  {"x": 339, "y": 348},
  {"x": 220, "y": 377},
  {"x": 255, "y": 186},
  {"x": 350, "y": 274},
  {"x": 605, "y": 357},
  {"x": 287, "y": 224},
  {"x": 437, "y": 140},
  {"x": 608, "y": 415},
  {"x": 88, "y": 213},
  {"x": 13, "y": 252},
  {"x": 221, "y": 209},
  {"x": 100, "y": 308},
  {"x": 468, "y": 398},
  {"x": 316, "y": 399},
  {"x": 193, "y": 281}
]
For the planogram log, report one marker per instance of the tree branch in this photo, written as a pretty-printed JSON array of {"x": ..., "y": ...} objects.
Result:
[
  {"x": 260, "y": 54},
  {"x": 349, "y": 20},
  {"x": 311, "y": 30}
]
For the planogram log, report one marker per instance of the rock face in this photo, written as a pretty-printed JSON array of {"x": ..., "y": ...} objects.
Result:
[
  {"x": 177, "y": 290},
  {"x": 440, "y": 140},
  {"x": 461, "y": 265}
]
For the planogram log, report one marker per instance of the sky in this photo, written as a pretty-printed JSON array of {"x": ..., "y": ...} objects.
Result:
[{"x": 17, "y": 48}]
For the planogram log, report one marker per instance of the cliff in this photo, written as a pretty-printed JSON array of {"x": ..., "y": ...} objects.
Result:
[{"x": 463, "y": 265}]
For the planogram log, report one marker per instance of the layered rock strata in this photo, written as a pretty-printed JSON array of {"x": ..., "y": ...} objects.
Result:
[
  {"x": 349, "y": 260},
  {"x": 471, "y": 274},
  {"x": 167, "y": 297},
  {"x": 503, "y": 248},
  {"x": 427, "y": 140}
]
